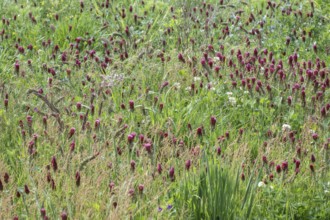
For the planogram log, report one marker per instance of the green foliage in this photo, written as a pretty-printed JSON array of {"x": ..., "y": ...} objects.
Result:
[
  {"x": 215, "y": 193},
  {"x": 100, "y": 55}
]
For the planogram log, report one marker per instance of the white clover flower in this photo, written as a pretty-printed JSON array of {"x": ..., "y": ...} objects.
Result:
[
  {"x": 188, "y": 89},
  {"x": 177, "y": 85},
  {"x": 229, "y": 93},
  {"x": 216, "y": 58},
  {"x": 311, "y": 131},
  {"x": 246, "y": 92},
  {"x": 111, "y": 80},
  {"x": 261, "y": 184},
  {"x": 210, "y": 87},
  {"x": 197, "y": 78},
  {"x": 232, "y": 100},
  {"x": 214, "y": 83},
  {"x": 286, "y": 127}
]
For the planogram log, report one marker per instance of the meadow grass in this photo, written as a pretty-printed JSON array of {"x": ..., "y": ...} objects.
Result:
[{"x": 164, "y": 109}]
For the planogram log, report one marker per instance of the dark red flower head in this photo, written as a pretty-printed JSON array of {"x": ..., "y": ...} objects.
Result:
[
  {"x": 285, "y": 166},
  {"x": 77, "y": 177},
  {"x": 64, "y": 215},
  {"x": 54, "y": 163},
  {"x": 188, "y": 164},
  {"x": 159, "y": 168},
  {"x": 171, "y": 173},
  {"x": 313, "y": 159},
  {"x": 71, "y": 132},
  {"x": 278, "y": 168},
  {"x": 141, "y": 188},
  {"x": 131, "y": 105},
  {"x": 213, "y": 121}
]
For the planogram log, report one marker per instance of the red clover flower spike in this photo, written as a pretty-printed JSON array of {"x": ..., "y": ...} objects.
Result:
[
  {"x": 54, "y": 163},
  {"x": 130, "y": 138},
  {"x": 219, "y": 151},
  {"x": 313, "y": 159},
  {"x": 6, "y": 103},
  {"x": 26, "y": 189},
  {"x": 148, "y": 146},
  {"x": 199, "y": 131},
  {"x": 132, "y": 165},
  {"x": 181, "y": 59},
  {"x": 29, "y": 120},
  {"x": 141, "y": 138},
  {"x": 131, "y": 192},
  {"x": 131, "y": 105},
  {"x": 188, "y": 164},
  {"x": 171, "y": 174},
  {"x": 164, "y": 84},
  {"x": 71, "y": 132},
  {"x": 64, "y": 215},
  {"x": 78, "y": 105},
  {"x": 264, "y": 159},
  {"x": 6, "y": 177},
  {"x": 213, "y": 121},
  {"x": 285, "y": 166},
  {"x": 97, "y": 123},
  {"x": 43, "y": 212},
  {"x": 278, "y": 168},
  {"x": 77, "y": 177},
  {"x": 159, "y": 168},
  {"x": 242, "y": 176},
  {"x": 141, "y": 188}
]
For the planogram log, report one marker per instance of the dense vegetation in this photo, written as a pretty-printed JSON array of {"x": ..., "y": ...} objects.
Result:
[{"x": 166, "y": 109}]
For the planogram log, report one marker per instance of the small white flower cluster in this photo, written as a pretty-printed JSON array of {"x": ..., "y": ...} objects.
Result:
[
  {"x": 231, "y": 99},
  {"x": 311, "y": 131},
  {"x": 197, "y": 79},
  {"x": 177, "y": 85},
  {"x": 286, "y": 127},
  {"x": 262, "y": 184},
  {"x": 111, "y": 80},
  {"x": 210, "y": 86},
  {"x": 188, "y": 89},
  {"x": 211, "y": 89}
]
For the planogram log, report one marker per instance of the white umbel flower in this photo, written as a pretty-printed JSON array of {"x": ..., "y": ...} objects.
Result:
[
  {"x": 286, "y": 127},
  {"x": 197, "y": 78},
  {"x": 261, "y": 184},
  {"x": 232, "y": 100},
  {"x": 177, "y": 85}
]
